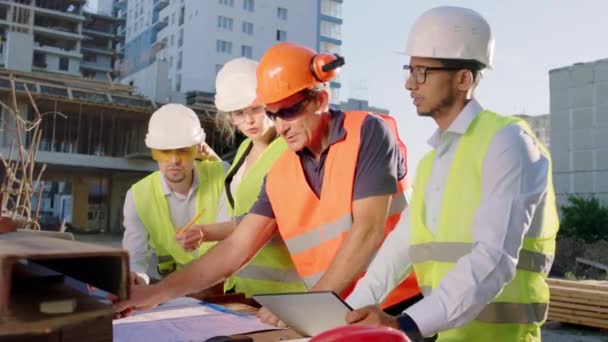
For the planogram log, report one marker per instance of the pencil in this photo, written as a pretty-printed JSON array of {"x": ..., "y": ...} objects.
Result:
[{"x": 189, "y": 224}]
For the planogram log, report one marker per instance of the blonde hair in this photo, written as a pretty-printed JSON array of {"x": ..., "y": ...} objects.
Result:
[{"x": 225, "y": 126}]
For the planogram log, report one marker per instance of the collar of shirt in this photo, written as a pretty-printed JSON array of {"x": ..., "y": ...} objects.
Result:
[
  {"x": 167, "y": 190},
  {"x": 336, "y": 134},
  {"x": 441, "y": 141}
]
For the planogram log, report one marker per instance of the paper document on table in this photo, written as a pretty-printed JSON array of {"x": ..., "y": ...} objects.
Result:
[{"x": 184, "y": 323}]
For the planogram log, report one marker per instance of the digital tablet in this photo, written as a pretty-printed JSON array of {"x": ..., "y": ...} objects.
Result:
[{"x": 309, "y": 313}]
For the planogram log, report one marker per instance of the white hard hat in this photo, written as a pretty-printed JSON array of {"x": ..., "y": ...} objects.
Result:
[
  {"x": 174, "y": 126},
  {"x": 451, "y": 33},
  {"x": 235, "y": 85}
]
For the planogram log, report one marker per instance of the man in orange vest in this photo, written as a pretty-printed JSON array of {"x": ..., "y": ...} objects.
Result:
[{"x": 334, "y": 196}]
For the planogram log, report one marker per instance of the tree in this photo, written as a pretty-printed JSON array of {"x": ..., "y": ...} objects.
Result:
[{"x": 584, "y": 218}]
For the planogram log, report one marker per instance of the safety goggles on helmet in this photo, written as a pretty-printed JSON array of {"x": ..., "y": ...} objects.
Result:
[{"x": 186, "y": 153}]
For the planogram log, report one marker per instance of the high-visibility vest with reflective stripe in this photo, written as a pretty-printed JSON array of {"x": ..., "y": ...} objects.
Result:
[
  {"x": 271, "y": 270},
  {"x": 519, "y": 310},
  {"x": 153, "y": 211},
  {"x": 314, "y": 228}
]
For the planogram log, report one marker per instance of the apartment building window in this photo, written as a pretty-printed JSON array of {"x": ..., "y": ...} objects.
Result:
[
  {"x": 64, "y": 63},
  {"x": 281, "y": 35},
  {"x": 172, "y": 40},
  {"x": 182, "y": 14},
  {"x": 246, "y": 51},
  {"x": 179, "y": 61},
  {"x": 170, "y": 61},
  {"x": 247, "y": 27},
  {"x": 331, "y": 8},
  {"x": 330, "y": 30},
  {"x": 180, "y": 38},
  {"x": 248, "y": 5},
  {"x": 218, "y": 67},
  {"x": 173, "y": 19},
  {"x": 225, "y": 22},
  {"x": 282, "y": 13},
  {"x": 330, "y": 48},
  {"x": 229, "y": 3},
  {"x": 223, "y": 46},
  {"x": 178, "y": 82}
]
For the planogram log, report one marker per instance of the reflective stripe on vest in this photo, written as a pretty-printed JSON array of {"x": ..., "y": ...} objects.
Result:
[
  {"x": 452, "y": 251},
  {"x": 271, "y": 270},
  {"x": 524, "y": 300},
  {"x": 314, "y": 227}
]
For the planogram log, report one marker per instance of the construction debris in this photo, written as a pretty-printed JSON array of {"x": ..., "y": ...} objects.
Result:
[{"x": 583, "y": 302}]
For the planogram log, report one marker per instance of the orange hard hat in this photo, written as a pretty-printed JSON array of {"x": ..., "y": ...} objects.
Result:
[
  {"x": 288, "y": 68},
  {"x": 361, "y": 333}
]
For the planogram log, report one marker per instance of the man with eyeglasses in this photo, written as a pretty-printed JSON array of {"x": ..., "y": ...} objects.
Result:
[
  {"x": 166, "y": 200},
  {"x": 483, "y": 219},
  {"x": 332, "y": 197}
]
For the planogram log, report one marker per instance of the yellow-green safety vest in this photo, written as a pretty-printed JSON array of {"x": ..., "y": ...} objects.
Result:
[
  {"x": 153, "y": 211},
  {"x": 271, "y": 270},
  {"x": 521, "y": 308}
]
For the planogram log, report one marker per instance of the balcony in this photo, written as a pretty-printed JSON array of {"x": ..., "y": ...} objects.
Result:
[
  {"x": 98, "y": 49},
  {"x": 57, "y": 33},
  {"x": 57, "y": 51},
  {"x": 109, "y": 35},
  {"x": 161, "y": 24},
  {"x": 59, "y": 14},
  {"x": 96, "y": 67},
  {"x": 160, "y": 4}
]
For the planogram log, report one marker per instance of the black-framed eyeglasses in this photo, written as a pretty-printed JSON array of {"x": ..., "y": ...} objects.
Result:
[
  {"x": 419, "y": 71},
  {"x": 289, "y": 113}
]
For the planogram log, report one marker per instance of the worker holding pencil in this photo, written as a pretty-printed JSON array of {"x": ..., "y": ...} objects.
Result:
[{"x": 168, "y": 202}]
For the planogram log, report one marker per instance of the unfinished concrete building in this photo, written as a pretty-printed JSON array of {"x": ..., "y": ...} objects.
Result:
[
  {"x": 92, "y": 143},
  {"x": 57, "y": 36}
]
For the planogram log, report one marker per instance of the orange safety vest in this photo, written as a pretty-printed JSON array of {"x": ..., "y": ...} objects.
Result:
[{"x": 314, "y": 228}]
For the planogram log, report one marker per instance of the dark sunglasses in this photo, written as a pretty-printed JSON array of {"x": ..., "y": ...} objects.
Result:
[{"x": 288, "y": 113}]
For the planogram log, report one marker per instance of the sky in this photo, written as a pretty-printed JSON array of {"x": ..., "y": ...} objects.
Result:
[{"x": 532, "y": 37}]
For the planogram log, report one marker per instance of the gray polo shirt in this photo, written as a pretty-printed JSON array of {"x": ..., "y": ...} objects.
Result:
[{"x": 379, "y": 167}]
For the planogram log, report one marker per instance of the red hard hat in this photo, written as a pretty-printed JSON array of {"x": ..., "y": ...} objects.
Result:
[{"x": 361, "y": 333}]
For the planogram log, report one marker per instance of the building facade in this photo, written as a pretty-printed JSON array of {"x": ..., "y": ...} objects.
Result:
[
  {"x": 58, "y": 36},
  {"x": 177, "y": 46},
  {"x": 579, "y": 129}
]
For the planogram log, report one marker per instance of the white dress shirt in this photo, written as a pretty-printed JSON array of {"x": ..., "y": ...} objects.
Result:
[
  {"x": 513, "y": 186},
  {"x": 182, "y": 208}
]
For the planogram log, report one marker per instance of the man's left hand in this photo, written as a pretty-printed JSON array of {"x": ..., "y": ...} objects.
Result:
[
  {"x": 371, "y": 315},
  {"x": 142, "y": 297}
]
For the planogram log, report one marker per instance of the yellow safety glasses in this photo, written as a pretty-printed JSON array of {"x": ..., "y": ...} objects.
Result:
[{"x": 184, "y": 154}]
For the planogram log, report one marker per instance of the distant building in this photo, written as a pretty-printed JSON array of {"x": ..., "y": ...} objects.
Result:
[
  {"x": 579, "y": 129},
  {"x": 541, "y": 125},
  {"x": 356, "y": 104},
  {"x": 174, "y": 47},
  {"x": 57, "y": 36}
]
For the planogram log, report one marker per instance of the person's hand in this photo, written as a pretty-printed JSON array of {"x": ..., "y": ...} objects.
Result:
[
  {"x": 192, "y": 238},
  {"x": 205, "y": 152},
  {"x": 142, "y": 297},
  {"x": 269, "y": 318},
  {"x": 371, "y": 315}
]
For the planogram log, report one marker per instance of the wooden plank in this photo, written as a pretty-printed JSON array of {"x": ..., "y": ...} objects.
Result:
[
  {"x": 583, "y": 301},
  {"x": 586, "y": 307},
  {"x": 582, "y": 284},
  {"x": 580, "y": 313},
  {"x": 579, "y": 293},
  {"x": 592, "y": 322}
]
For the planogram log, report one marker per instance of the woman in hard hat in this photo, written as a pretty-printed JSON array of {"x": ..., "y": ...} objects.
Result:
[{"x": 272, "y": 269}]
